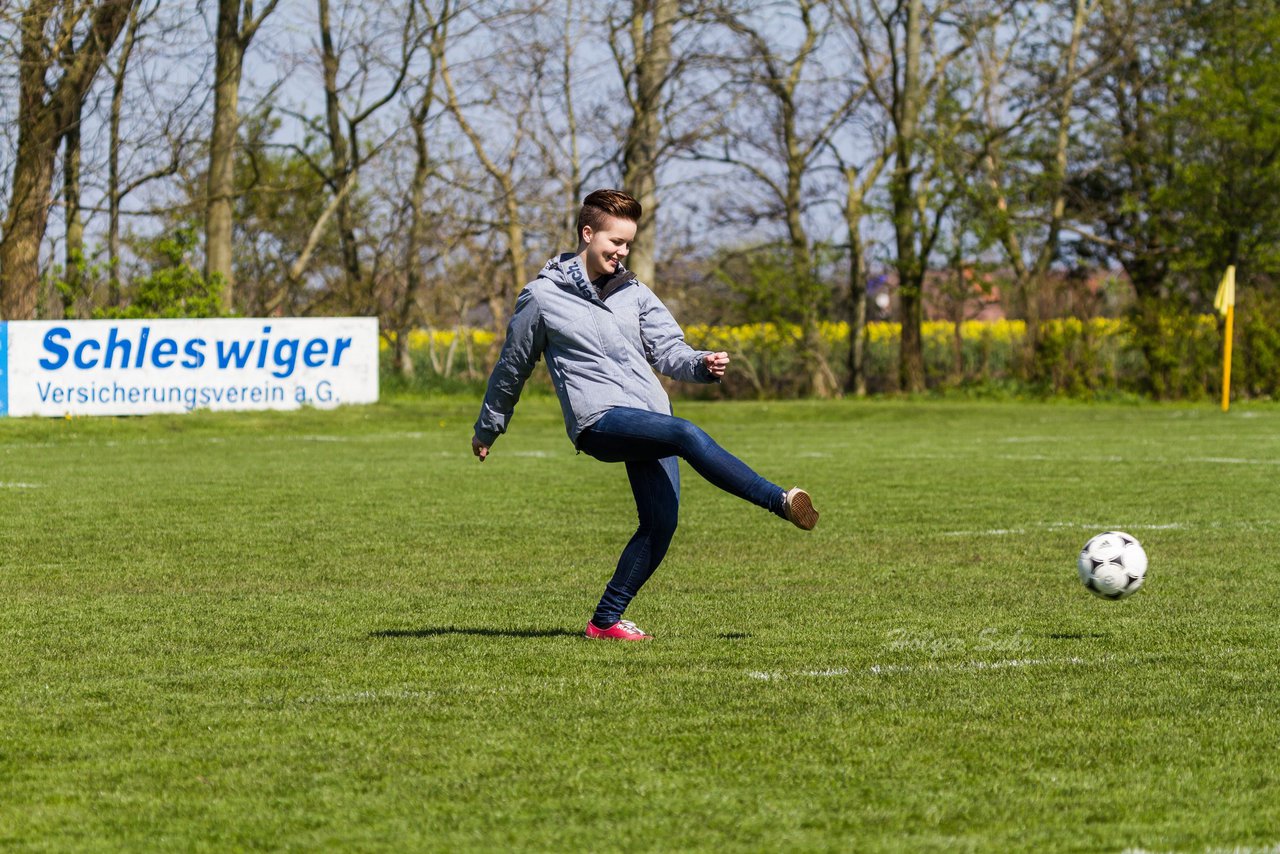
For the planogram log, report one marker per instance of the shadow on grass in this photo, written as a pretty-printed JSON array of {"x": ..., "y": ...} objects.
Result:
[{"x": 482, "y": 632}]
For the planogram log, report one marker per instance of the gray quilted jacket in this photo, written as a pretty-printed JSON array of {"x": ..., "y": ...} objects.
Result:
[{"x": 599, "y": 342}]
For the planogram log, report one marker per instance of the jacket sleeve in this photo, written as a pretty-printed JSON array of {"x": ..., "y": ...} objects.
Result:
[
  {"x": 526, "y": 339},
  {"x": 664, "y": 344}
]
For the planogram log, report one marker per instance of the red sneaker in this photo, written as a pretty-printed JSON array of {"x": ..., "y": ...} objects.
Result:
[{"x": 623, "y": 630}]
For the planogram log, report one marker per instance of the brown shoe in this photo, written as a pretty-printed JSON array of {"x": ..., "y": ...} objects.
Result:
[{"x": 798, "y": 508}]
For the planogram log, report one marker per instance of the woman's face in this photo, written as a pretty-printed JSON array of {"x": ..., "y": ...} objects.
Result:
[{"x": 607, "y": 247}]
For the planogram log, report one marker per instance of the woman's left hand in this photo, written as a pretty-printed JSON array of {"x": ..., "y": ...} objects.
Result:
[{"x": 716, "y": 363}]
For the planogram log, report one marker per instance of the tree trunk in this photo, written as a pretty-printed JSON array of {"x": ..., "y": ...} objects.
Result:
[
  {"x": 73, "y": 281},
  {"x": 911, "y": 340},
  {"x": 516, "y": 255},
  {"x": 73, "y": 276},
  {"x": 417, "y": 235},
  {"x": 651, "y": 48},
  {"x": 573, "y": 185},
  {"x": 341, "y": 156},
  {"x": 28, "y": 216},
  {"x": 905, "y": 225},
  {"x": 854, "y": 210},
  {"x": 114, "y": 193},
  {"x": 32, "y": 174},
  {"x": 233, "y": 37},
  {"x": 957, "y": 320},
  {"x": 857, "y": 381},
  {"x": 219, "y": 214}
]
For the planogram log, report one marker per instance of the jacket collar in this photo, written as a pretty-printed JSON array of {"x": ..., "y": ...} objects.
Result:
[
  {"x": 566, "y": 270},
  {"x": 620, "y": 278}
]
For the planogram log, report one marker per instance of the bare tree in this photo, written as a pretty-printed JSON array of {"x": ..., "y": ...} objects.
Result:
[
  {"x": 64, "y": 44},
  {"x": 1024, "y": 192},
  {"x": 928, "y": 106},
  {"x": 791, "y": 103},
  {"x": 500, "y": 154},
  {"x": 344, "y": 122},
  {"x": 401, "y": 310}
]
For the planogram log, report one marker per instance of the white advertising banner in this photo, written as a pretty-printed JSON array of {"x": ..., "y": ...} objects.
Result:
[{"x": 139, "y": 367}]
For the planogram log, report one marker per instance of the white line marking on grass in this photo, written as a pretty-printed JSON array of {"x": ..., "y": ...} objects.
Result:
[
  {"x": 1015, "y": 440},
  {"x": 1022, "y": 662},
  {"x": 1080, "y": 526},
  {"x": 147, "y": 441},
  {"x": 14, "y": 484},
  {"x": 1213, "y": 849},
  {"x": 332, "y": 438},
  {"x": 887, "y": 669},
  {"x": 1067, "y": 458},
  {"x": 977, "y": 665},
  {"x": 991, "y": 532},
  {"x": 335, "y": 437}
]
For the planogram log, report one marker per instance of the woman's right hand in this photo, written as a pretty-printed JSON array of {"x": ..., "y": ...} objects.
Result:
[
  {"x": 716, "y": 363},
  {"x": 480, "y": 449}
]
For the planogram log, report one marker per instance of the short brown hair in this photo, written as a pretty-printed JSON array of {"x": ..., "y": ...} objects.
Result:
[{"x": 602, "y": 204}]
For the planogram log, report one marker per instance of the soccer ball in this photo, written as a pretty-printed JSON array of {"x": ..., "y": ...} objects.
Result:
[{"x": 1112, "y": 565}]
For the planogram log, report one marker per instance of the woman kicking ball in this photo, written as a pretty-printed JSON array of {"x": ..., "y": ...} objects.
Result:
[{"x": 603, "y": 333}]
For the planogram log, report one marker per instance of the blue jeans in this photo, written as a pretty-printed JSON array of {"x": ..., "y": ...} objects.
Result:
[{"x": 649, "y": 443}]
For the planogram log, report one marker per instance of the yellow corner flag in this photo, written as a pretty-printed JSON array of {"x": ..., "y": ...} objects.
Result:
[
  {"x": 1226, "y": 298},
  {"x": 1225, "y": 303}
]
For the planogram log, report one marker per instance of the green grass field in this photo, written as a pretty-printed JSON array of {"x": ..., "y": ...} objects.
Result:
[{"x": 338, "y": 630}]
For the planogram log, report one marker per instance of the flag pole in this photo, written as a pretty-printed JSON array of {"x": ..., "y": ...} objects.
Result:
[
  {"x": 1225, "y": 302},
  {"x": 1226, "y": 360}
]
